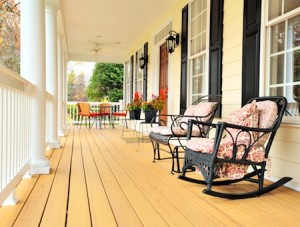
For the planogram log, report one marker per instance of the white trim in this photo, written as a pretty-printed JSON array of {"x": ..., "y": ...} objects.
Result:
[
  {"x": 189, "y": 77},
  {"x": 156, "y": 63},
  {"x": 281, "y": 18}
]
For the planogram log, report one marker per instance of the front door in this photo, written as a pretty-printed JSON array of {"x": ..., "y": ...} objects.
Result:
[{"x": 163, "y": 76}]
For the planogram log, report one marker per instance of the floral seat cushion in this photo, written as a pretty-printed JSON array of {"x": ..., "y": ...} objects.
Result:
[
  {"x": 229, "y": 170},
  {"x": 165, "y": 130},
  {"x": 246, "y": 116}
]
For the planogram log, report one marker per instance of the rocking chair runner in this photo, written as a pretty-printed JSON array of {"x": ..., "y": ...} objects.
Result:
[
  {"x": 203, "y": 109},
  {"x": 245, "y": 140}
]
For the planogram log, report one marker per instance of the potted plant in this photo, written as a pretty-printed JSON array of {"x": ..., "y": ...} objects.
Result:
[
  {"x": 135, "y": 106},
  {"x": 155, "y": 104}
]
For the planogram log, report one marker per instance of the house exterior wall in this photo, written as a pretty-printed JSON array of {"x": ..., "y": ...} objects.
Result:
[
  {"x": 232, "y": 56},
  {"x": 285, "y": 154}
]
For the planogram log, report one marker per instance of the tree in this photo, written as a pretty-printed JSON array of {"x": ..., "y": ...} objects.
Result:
[
  {"x": 76, "y": 87},
  {"x": 10, "y": 34},
  {"x": 106, "y": 82}
]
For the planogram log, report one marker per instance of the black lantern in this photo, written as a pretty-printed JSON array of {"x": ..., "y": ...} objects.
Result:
[
  {"x": 143, "y": 60},
  {"x": 172, "y": 41}
]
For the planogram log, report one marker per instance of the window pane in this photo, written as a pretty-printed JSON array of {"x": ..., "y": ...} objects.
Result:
[
  {"x": 203, "y": 47},
  {"x": 204, "y": 21},
  {"x": 296, "y": 93},
  {"x": 199, "y": 24},
  {"x": 197, "y": 85},
  {"x": 198, "y": 67},
  {"x": 193, "y": 47},
  {"x": 294, "y": 32},
  {"x": 194, "y": 9},
  {"x": 193, "y": 28},
  {"x": 276, "y": 91},
  {"x": 277, "y": 37},
  {"x": 200, "y": 8},
  {"x": 284, "y": 53},
  {"x": 289, "y": 5},
  {"x": 296, "y": 66},
  {"x": 198, "y": 48},
  {"x": 274, "y": 9},
  {"x": 276, "y": 69}
]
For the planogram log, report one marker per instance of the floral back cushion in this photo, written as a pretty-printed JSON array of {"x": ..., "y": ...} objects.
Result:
[
  {"x": 268, "y": 111},
  {"x": 203, "y": 109},
  {"x": 246, "y": 116}
]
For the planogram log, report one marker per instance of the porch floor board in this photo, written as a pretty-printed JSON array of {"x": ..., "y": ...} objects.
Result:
[{"x": 97, "y": 179}]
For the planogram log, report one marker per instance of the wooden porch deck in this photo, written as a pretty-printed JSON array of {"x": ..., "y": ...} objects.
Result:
[{"x": 97, "y": 179}]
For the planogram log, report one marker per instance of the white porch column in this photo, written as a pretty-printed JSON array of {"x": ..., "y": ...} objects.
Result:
[
  {"x": 60, "y": 66},
  {"x": 52, "y": 72},
  {"x": 33, "y": 68},
  {"x": 65, "y": 88}
]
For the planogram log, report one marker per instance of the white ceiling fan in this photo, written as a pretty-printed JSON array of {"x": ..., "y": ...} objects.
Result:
[{"x": 97, "y": 49}]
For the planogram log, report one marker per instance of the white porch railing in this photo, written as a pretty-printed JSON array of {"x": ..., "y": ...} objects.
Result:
[
  {"x": 15, "y": 112},
  {"x": 72, "y": 110}
]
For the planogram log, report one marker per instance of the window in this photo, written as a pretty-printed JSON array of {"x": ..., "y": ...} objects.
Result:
[
  {"x": 139, "y": 73},
  {"x": 283, "y": 57},
  {"x": 198, "y": 51},
  {"x": 127, "y": 82}
]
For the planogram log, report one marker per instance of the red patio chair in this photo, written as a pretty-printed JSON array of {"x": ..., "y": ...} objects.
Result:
[
  {"x": 105, "y": 113},
  {"x": 84, "y": 111}
]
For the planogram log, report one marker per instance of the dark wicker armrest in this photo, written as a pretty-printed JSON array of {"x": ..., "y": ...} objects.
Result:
[
  {"x": 172, "y": 117},
  {"x": 204, "y": 127}
]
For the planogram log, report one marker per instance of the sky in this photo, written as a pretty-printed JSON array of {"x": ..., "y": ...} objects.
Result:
[{"x": 79, "y": 67}]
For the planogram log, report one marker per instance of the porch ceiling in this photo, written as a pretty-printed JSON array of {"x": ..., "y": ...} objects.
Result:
[{"x": 115, "y": 25}]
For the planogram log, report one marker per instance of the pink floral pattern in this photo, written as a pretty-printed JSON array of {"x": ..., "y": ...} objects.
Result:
[
  {"x": 201, "y": 109},
  {"x": 268, "y": 111},
  {"x": 229, "y": 170},
  {"x": 166, "y": 131},
  {"x": 246, "y": 116}
]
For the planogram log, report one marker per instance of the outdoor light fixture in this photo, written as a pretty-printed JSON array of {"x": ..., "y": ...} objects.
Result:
[
  {"x": 172, "y": 41},
  {"x": 143, "y": 60}
]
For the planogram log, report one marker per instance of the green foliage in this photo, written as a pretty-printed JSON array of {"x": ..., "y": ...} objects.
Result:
[{"x": 106, "y": 83}]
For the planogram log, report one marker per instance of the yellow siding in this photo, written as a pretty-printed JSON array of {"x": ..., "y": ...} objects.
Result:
[
  {"x": 232, "y": 56},
  {"x": 174, "y": 60},
  {"x": 285, "y": 154}
]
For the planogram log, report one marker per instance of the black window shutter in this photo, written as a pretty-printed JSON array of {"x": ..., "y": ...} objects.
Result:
[
  {"x": 251, "y": 49},
  {"x": 131, "y": 77},
  {"x": 184, "y": 59},
  {"x": 145, "y": 74},
  {"x": 215, "y": 48}
]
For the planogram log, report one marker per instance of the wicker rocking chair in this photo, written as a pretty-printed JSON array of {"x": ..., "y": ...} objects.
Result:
[{"x": 244, "y": 141}]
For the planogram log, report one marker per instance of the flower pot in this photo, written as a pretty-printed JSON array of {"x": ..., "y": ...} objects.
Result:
[
  {"x": 149, "y": 114},
  {"x": 135, "y": 114}
]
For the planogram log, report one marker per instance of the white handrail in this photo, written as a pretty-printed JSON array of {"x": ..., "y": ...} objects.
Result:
[{"x": 15, "y": 111}]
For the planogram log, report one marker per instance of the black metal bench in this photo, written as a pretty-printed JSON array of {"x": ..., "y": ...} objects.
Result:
[{"x": 173, "y": 136}]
